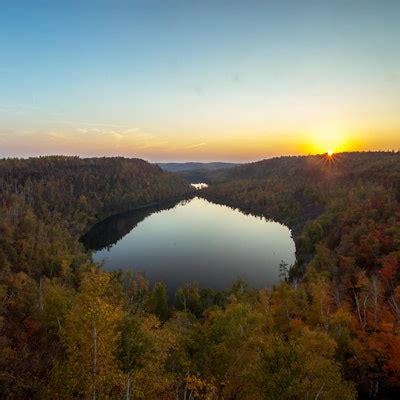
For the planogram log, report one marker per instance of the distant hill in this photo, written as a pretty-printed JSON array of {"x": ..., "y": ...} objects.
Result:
[{"x": 192, "y": 166}]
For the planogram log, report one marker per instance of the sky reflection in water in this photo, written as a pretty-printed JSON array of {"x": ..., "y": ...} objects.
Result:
[{"x": 198, "y": 241}]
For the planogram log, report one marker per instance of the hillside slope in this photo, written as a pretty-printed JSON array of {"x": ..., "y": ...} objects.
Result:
[
  {"x": 48, "y": 202},
  {"x": 78, "y": 192},
  {"x": 296, "y": 189}
]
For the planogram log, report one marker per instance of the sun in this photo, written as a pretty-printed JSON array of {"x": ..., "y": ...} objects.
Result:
[{"x": 329, "y": 141}]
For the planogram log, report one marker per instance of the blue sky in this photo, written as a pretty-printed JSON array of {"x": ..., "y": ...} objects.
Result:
[{"x": 177, "y": 80}]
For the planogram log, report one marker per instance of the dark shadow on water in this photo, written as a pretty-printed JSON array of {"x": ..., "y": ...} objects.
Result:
[{"x": 108, "y": 232}]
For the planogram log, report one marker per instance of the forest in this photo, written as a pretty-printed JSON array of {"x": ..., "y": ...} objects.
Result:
[{"x": 329, "y": 330}]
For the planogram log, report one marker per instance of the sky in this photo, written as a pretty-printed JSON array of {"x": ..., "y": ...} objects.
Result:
[{"x": 198, "y": 80}]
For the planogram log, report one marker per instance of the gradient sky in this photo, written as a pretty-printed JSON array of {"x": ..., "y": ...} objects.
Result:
[{"x": 198, "y": 80}]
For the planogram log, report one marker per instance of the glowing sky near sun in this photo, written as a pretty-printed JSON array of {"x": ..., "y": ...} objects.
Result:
[{"x": 199, "y": 80}]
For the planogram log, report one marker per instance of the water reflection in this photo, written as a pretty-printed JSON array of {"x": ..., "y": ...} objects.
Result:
[
  {"x": 199, "y": 186},
  {"x": 108, "y": 232},
  {"x": 195, "y": 240}
]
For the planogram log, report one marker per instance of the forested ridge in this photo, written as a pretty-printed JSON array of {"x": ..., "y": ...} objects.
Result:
[
  {"x": 329, "y": 330},
  {"x": 80, "y": 191},
  {"x": 345, "y": 214},
  {"x": 292, "y": 188}
]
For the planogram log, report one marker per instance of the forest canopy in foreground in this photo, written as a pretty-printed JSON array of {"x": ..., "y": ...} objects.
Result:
[{"x": 330, "y": 329}]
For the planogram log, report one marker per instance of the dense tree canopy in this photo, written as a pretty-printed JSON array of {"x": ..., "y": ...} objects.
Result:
[
  {"x": 345, "y": 215},
  {"x": 329, "y": 330}
]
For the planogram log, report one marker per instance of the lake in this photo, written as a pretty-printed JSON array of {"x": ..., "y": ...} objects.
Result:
[
  {"x": 199, "y": 186},
  {"x": 193, "y": 241}
]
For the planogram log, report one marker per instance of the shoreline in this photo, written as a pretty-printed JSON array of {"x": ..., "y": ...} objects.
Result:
[{"x": 137, "y": 208}]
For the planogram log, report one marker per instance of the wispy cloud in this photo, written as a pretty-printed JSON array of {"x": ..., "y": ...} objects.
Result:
[
  {"x": 13, "y": 107},
  {"x": 192, "y": 146},
  {"x": 57, "y": 136},
  {"x": 118, "y": 136},
  {"x": 91, "y": 123},
  {"x": 131, "y": 130}
]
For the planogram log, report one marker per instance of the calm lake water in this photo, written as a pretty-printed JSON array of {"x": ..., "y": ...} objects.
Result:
[{"x": 193, "y": 241}]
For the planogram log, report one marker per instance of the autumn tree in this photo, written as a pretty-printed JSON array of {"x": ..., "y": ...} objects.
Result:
[{"x": 90, "y": 336}]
